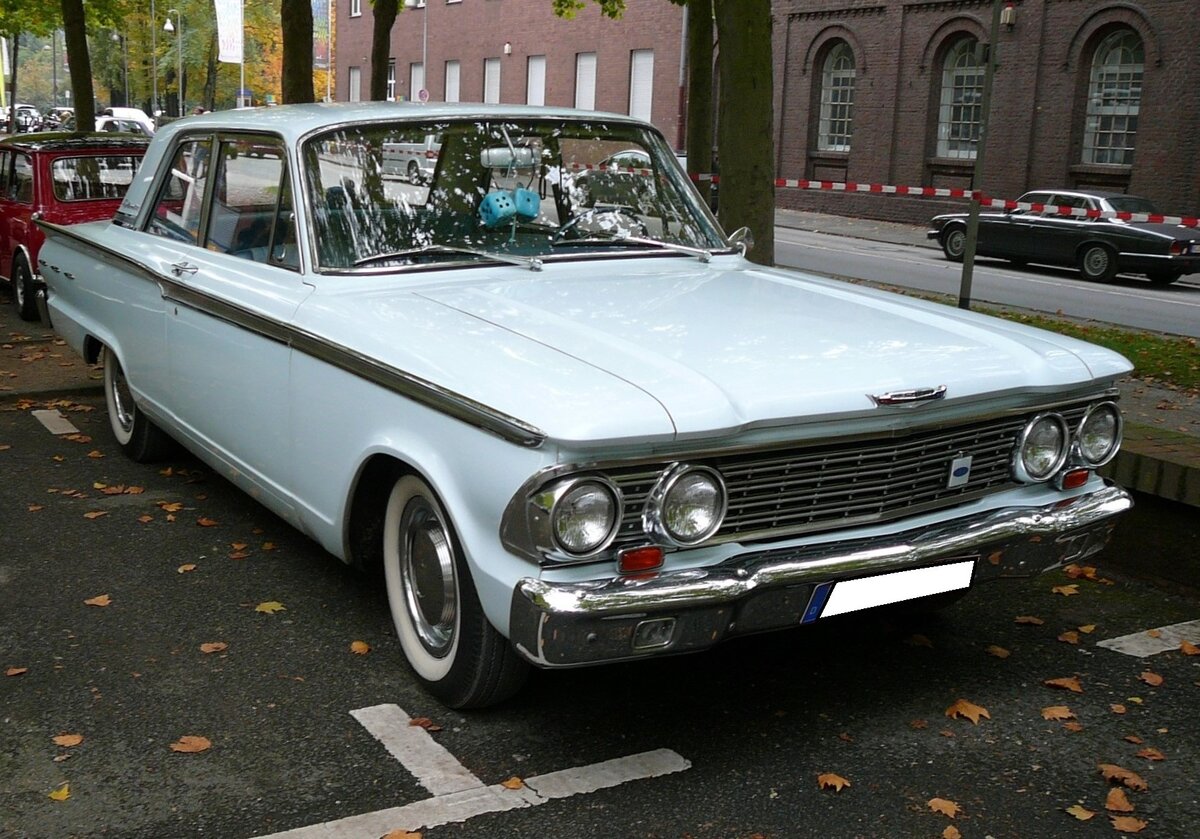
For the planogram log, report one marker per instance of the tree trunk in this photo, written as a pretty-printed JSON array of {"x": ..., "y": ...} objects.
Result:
[
  {"x": 12, "y": 90},
  {"x": 381, "y": 42},
  {"x": 297, "y": 23},
  {"x": 700, "y": 92},
  {"x": 209, "y": 98},
  {"x": 745, "y": 130},
  {"x": 75, "y": 37}
]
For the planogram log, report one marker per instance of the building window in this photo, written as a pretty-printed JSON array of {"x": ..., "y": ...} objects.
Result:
[
  {"x": 355, "y": 81},
  {"x": 491, "y": 80},
  {"x": 535, "y": 80},
  {"x": 837, "y": 99},
  {"x": 641, "y": 83},
  {"x": 355, "y": 8},
  {"x": 961, "y": 114},
  {"x": 451, "y": 81},
  {"x": 1114, "y": 99},
  {"x": 391, "y": 82},
  {"x": 416, "y": 80},
  {"x": 585, "y": 81}
]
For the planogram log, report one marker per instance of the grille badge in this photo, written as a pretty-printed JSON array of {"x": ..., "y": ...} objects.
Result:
[{"x": 960, "y": 471}]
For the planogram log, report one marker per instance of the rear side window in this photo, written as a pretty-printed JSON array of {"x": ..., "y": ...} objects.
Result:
[
  {"x": 5, "y": 172},
  {"x": 180, "y": 199},
  {"x": 93, "y": 178},
  {"x": 21, "y": 189}
]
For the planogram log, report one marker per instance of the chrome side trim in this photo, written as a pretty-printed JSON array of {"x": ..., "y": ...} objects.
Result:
[{"x": 406, "y": 384}]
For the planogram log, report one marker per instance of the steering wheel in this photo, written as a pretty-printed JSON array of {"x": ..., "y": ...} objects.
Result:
[{"x": 600, "y": 211}]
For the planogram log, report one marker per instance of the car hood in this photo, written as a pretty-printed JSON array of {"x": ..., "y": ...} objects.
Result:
[{"x": 677, "y": 348}]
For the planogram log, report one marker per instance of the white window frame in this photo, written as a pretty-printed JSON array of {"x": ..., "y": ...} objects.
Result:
[
  {"x": 641, "y": 84},
  {"x": 491, "y": 81},
  {"x": 355, "y": 8},
  {"x": 354, "y": 84},
  {"x": 535, "y": 80},
  {"x": 391, "y": 80},
  {"x": 838, "y": 78},
  {"x": 585, "y": 80},
  {"x": 416, "y": 80},
  {"x": 453, "y": 80},
  {"x": 1114, "y": 99},
  {"x": 960, "y": 117}
]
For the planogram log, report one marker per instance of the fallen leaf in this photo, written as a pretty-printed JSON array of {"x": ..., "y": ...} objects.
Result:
[
  {"x": 360, "y": 647},
  {"x": 16, "y": 671},
  {"x": 1088, "y": 628},
  {"x": 95, "y": 514},
  {"x": 828, "y": 780},
  {"x": 1117, "y": 709},
  {"x": 998, "y": 652},
  {"x": 1128, "y": 824},
  {"x": 1029, "y": 620},
  {"x": 270, "y": 607},
  {"x": 204, "y": 521},
  {"x": 99, "y": 600},
  {"x": 1069, "y": 637},
  {"x": 135, "y": 490},
  {"x": 951, "y": 832},
  {"x": 191, "y": 744},
  {"x": 187, "y": 566},
  {"x": 62, "y": 792},
  {"x": 1132, "y": 738},
  {"x": 1151, "y": 753},
  {"x": 918, "y": 724},
  {"x": 145, "y": 519},
  {"x": 170, "y": 506},
  {"x": 400, "y": 834},
  {"x": 37, "y": 508},
  {"x": 1121, "y": 775},
  {"x": 1080, "y": 812},
  {"x": 1067, "y": 590},
  {"x": 1073, "y": 726},
  {"x": 512, "y": 783},
  {"x": 427, "y": 724},
  {"x": 1070, "y": 683},
  {"x": 68, "y": 740},
  {"x": 269, "y": 546},
  {"x": 1188, "y": 648},
  {"x": 945, "y": 807},
  {"x": 1151, "y": 678},
  {"x": 1117, "y": 801},
  {"x": 95, "y": 455},
  {"x": 845, "y": 737},
  {"x": 1057, "y": 713},
  {"x": 969, "y": 710},
  {"x": 214, "y": 647},
  {"x": 238, "y": 555}
]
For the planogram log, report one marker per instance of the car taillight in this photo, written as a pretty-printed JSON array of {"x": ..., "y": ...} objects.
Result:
[{"x": 1178, "y": 248}]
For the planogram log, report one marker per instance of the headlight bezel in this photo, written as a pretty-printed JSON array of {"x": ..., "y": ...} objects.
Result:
[
  {"x": 1020, "y": 469},
  {"x": 653, "y": 516},
  {"x": 551, "y": 499},
  {"x": 1118, "y": 434}
]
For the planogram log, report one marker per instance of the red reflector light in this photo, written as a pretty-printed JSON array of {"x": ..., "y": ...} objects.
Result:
[
  {"x": 1177, "y": 248},
  {"x": 639, "y": 559},
  {"x": 1075, "y": 478}
]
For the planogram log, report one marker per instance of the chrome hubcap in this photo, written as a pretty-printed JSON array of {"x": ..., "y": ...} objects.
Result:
[
  {"x": 427, "y": 574},
  {"x": 122, "y": 399},
  {"x": 955, "y": 242},
  {"x": 1097, "y": 261}
]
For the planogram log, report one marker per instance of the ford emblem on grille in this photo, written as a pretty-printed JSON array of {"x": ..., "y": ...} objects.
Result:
[
  {"x": 960, "y": 471},
  {"x": 908, "y": 397}
]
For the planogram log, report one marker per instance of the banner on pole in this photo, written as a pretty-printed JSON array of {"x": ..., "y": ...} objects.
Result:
[
  {"x": 321, "y": 14},
  {"x": 229, "y": 30}
]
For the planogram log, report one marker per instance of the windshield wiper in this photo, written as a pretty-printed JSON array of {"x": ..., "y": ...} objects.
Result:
[
  {"x": 530, "y": 262},
  {"x": 616, "y": 238}
]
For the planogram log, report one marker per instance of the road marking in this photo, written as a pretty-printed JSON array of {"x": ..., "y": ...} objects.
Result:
[
  {"x": 466, "y": 796},
  {"x": 55, "y": 422},
  {"x": 1142, "y": 644}
]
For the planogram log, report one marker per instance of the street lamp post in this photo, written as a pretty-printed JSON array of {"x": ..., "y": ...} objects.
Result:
[
  {"x": 120, "y": 38},
  {"x": 170, "y": 27},
  {"x": 153, "y": 64}
]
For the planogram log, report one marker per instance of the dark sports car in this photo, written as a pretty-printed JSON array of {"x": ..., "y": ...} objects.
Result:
[{"x": 1099, "y": 246}]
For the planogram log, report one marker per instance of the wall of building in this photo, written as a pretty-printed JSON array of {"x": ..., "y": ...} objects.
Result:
[
  {"x": 471, "y": 31},
  {"x": 1037, "y": 110}
]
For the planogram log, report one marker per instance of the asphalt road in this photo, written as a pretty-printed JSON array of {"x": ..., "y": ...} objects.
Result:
[
  {"x": 1128, "y": 301},
  {"x": 745, "y": 730}
]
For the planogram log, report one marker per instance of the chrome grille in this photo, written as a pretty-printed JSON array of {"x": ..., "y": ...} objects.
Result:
[{"x": 786, "y": 491}]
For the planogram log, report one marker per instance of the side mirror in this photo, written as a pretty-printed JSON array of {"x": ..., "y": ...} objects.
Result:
[{"x": 742, "y": 239}]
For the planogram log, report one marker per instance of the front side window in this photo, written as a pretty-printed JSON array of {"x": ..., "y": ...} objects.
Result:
[
  {"x": 1114, "y": 100},
  {"x": 497, "y": 191},
  {"x": 961, "y": 113},
  {"x": 94, "y": 178},
  {"x": 251, "y": 204},
  {"x": 5, "y": 172},
  {"x": 180, "y": 199},
  {"x": 837, "y": 99}
]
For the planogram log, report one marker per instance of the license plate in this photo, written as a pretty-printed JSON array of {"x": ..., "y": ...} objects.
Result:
[{"x": 831, "y": 599}]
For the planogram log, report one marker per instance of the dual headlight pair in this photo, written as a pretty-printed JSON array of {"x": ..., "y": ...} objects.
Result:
[
  {"x": 1046, "y": 445},
  {"x": 686, "y": 506}
]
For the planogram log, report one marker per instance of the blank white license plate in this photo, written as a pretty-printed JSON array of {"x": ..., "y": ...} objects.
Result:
[{"x": 852, "y": 595}]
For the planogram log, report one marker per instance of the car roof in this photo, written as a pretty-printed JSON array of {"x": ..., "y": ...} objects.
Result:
[
  {"x": 1086, "y": 193},
  {"x": 74, "y": 141}
]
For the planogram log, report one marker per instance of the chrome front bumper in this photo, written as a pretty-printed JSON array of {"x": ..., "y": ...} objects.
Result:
[{"x": 573, "y": 624}]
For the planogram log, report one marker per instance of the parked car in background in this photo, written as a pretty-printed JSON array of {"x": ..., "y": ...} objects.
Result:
[
  {"x": 28, "y": 119},
  {"x": 572, "y": 430},
  {"x": 414, "y": 161},
  {"x": 1099, "y": 247},
  {"x": 64, "y": 179},
  {"x": 121, "y": 125}
]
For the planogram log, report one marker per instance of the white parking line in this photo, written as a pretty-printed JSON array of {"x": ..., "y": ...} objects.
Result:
[
  {"x": 55, "y": 422},
  {"x": 1143, "y": 644},
  {"x": 435, "y": 768}
]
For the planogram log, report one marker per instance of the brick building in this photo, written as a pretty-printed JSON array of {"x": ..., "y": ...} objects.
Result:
[
  {"x": 519, "y": 52},
  {"x": 1089, "y": 93}
]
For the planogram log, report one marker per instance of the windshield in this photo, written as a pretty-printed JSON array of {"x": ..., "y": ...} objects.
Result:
[{"x": 397, "y": 194}]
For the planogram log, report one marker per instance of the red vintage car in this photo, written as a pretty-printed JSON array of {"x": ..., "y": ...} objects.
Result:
[{"x": 63, "y": 178}]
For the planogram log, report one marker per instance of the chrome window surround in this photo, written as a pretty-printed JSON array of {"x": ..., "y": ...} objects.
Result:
[
  {"x": 652, "y": 515},
  {"x": 542, "y": 509},
  {"x": 1077, "y": 457},
  {"x": 1020, "y": 472}
]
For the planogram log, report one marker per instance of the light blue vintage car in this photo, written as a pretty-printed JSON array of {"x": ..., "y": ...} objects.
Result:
[{"x": 569, "y": 417}]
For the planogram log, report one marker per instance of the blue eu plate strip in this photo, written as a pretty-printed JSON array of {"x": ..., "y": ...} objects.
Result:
[{"x": 817, "y": 602}]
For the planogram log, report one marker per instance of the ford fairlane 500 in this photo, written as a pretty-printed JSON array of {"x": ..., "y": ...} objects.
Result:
[{"x": 568, "y": 417}]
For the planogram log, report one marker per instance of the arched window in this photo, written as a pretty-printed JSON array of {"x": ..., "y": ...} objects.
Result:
[
  {"x": 961, "y": 111},
  {"x": 837, "y": 100},
  {"x": 1114, "y": 99}
]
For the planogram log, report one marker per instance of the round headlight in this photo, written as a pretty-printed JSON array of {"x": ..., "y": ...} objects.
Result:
[
  {"x": 687, "y": 505},
  {"x": 585, "y": 517},
  {"x": 1042, "y": 448},
  {"x": 1099, "y": 434}
]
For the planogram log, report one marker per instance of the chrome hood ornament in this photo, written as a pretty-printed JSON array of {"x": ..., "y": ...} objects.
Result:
[{"x": 909, "y": 397}]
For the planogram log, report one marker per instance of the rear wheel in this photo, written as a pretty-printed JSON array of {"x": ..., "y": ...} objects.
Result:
[
  {"x": 139, "y": 438},
  {"x": 455, "y": 652},
  {"x": 24, "y": 293},
  {"x": 1097, "y": 263},
  {"x": 954, "y": 243},
  {"x": 1163, "y": 277}
]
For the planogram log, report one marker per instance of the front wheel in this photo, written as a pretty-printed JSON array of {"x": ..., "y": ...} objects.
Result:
[
  {"x": 1097, "y": 263},
  {"x": 1163, "y": 277},
  {"x": 455, "y": 652},
  {"x": 954, "y": 243},
  {"x": 24, "y": 292},
  {"x": 139, "y": 438}
]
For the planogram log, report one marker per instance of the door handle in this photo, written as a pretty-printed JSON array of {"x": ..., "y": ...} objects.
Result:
[{"x": 181, "y": 268}]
